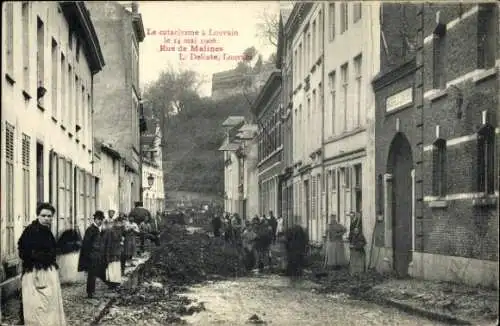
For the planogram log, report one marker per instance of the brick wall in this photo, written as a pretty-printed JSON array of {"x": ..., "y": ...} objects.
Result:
[{"x": 460, "y": 228}]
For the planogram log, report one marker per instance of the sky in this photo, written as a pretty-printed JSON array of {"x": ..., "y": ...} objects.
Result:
[{"x": 238, "y": 18}]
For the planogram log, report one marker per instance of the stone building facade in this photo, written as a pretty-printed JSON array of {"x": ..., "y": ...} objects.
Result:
[
  {"x": 267, "y": 111},
  {"x": 51, "y": 55},
  {"x": 285, "y": 64},
  {"x": 118, "y": 113},
  {"x": 437, "y": 142}
]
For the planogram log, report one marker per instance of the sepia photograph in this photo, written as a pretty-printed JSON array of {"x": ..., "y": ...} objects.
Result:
[{"x": 286, "y": 163}]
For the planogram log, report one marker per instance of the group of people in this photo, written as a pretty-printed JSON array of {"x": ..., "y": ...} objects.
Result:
[
  {"x": 335, "y": 256},
  {"x": 107, "y": 248}
]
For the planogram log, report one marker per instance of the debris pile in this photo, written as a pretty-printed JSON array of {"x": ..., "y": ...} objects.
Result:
[{"x": 187, "y": 258}]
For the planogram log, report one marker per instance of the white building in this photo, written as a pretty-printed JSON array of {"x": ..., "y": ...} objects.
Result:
[
  {"x": 152, "y": 171},
  {"x": 241, "y": 186},
  {"x": 352, "y": 59},
  {"x": 305, "y": 27},
  {"x": 50, "y": 55},
  {"x": 108, "y": 168}
]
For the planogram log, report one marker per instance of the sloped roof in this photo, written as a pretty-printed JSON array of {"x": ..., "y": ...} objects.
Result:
[{"x": 233, "y": 121}]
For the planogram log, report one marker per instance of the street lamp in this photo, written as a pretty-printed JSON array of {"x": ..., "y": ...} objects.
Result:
[{"x": 151, "y": 180}]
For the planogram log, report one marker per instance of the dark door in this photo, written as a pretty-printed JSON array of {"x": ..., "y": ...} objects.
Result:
[
  {"x": 308, "y": 205},
  {"x": 400, "y": 166}
]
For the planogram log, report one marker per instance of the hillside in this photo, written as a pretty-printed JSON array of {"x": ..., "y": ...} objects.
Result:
[{"x": 191, "y": 145}]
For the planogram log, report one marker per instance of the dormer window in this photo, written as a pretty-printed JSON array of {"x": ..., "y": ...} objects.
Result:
[{"x": 486, "y": 159}]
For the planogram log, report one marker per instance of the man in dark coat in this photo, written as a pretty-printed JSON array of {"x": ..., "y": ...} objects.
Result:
[
  {"x": 216, "y": 225},
  {"x": 274, "y": 224},
  {"x": 90, "y": 260},
  {"x": 296, "y": 241}
]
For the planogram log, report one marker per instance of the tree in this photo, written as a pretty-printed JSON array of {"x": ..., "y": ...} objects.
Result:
[{"x": 268, "y": 27}]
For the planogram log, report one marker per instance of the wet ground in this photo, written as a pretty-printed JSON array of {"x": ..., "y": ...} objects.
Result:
[{"x": 277, "y": 301}]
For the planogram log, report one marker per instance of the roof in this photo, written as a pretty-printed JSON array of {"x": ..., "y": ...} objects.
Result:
[
  {"x": 233, "y": 121},
  {"x": 106, "y": 148},
  {"x": 272, "y": 83},
  {"x": 78, "y": 18}
]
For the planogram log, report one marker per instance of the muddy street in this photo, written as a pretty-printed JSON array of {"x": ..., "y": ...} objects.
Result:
[{"x": 278, "y": 302}]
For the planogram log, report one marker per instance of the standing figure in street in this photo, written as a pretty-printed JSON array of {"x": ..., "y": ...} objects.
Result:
[
  {"x": 263, "y": 243},
  {"x": 140, "y": 214},
  {"x": 279, "y": 228},
  {"x": 90, "y": 256},
  {"x": 335, "y": 251},
  {"x": 296, "y": 241},
  {"x": 68, "y": 246},
  {"x": 248, "y": 240},
  {"x": 131, "y": 231},
  {"x": 41, "y": 290},
  {"x": 216, "y": 225},
  {"x": 228, "y": 230},
  {"x": 111, "y": 248},
  {"x": 274, "y": 224},
  {"x": 237, "y": 224},
  {"x": 357, "y": 246}
]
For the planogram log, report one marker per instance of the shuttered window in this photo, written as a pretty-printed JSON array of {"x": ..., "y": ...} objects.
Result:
[
  {"x": 63, "y": 202},
  {"x": 26, "y": 151},
  {"x": 68, "y": 187},
  {"x": 9, "y": 188}
]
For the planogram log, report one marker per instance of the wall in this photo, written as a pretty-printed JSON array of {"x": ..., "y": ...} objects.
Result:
[
  {"x": 251, "y": 180},
  {"x": 107, "y": 169},
  {"x": 41, "y": 124},
  {"x": 116, "y": 116}
]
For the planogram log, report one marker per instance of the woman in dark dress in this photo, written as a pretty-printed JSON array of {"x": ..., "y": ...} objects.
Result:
[{"x": 41, "y": 289}]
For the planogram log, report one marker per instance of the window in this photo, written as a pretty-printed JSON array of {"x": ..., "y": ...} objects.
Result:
[
  {"x": 331, "y": 21},
  {"x": 40, "y": 57},
  {"x": 308, "y": 125},
  {"x": 9, "y": 187},
  {"x": 25, "y": 12},
  {"x": 320, "y": 33},
  {"x": 333, "y": 98},
  {"x": 26, "y": 146},
  {"x": 356, "y": 11},
  {"x": 486, "y": 159},
  {"x": 9, "y": 46},
  {"x": 83, "y": 112},
  {"x": 89, "y": 119},
  {"x": 344, "y": 17},
  {"x": 486, "y": 31},
  {"x": 70, "y": 40},
  {"x": 380, "y": 194},
  {"x": 77, "y": 105},
  {"x": 314, "y": 42},
  {"x": 438, "y": 62},
  {"x": 358, "y": 195},
  {"x": 64, "y": 91},
  {"x": 308, "y": 52},
  {"x": 77, "y": 50},
  {"x": 71, "y": 101},
  {"x": 300, "y": 62},
  {"x": 358, "y": 74},
  {"x": 63, "y": 201},
  {"x": 439, "y": 168},
  {"x": 345, "y": 85},
  {"x": 55, "y": 66},
  {"x": 295, "y": 65},
  {"x": 70, "y": 200}
]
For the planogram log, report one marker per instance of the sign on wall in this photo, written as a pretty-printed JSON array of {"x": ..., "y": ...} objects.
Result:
[{"x": 399, "y": 100}]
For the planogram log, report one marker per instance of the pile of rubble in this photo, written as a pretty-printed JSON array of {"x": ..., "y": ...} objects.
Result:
[
  {"x": 187, "y": 258},
  {"x": 182, "y": 259}
]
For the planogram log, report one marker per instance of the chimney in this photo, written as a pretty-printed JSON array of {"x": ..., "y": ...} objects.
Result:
[{"x": 134, "y": 7}]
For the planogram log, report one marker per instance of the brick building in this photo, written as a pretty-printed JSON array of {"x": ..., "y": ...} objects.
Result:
[
  {"x": 117, "y": 100},
  {"x": 51, "y": 56},
  {"x": 437, "y": 142},
  {"x": 267, "y": 111}
]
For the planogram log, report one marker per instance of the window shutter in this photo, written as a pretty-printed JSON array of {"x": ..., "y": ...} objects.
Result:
[{"x": 26, "y": 140}]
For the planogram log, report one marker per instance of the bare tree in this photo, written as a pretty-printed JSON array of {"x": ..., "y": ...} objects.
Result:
[{"x": 268, "y": 27}]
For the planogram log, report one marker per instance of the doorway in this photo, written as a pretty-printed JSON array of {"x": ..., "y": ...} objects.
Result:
[
  {"x": 400, "y": 165},
  {"x": 307, "y": 204}
]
